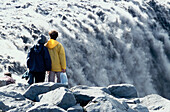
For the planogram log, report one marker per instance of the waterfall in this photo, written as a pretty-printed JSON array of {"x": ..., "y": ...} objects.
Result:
[{"x": 106, "y": 41}]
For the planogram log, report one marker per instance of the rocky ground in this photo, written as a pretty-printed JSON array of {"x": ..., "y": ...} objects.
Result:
[{"x": 53, "y": 97}]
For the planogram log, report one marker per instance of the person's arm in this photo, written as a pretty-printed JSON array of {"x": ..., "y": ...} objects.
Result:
[
  {"x": 62, "y": 58},
  {"x": 63, "y": 70},
  {"x": 47, "y": 59},
  {"x": 28, "y": 58}
]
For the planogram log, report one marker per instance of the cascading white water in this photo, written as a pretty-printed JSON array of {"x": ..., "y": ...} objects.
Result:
[{"x": 106, "y": 42}]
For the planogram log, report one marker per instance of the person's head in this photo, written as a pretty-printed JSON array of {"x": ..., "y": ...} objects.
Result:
[
  {"x": 42, "y": 39},
  {"x": 8, "y": 74},
  {"x": 53, "y": 34}
]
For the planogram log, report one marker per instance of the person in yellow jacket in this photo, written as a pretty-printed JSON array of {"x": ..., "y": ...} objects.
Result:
[{"x": 58, "y": 58}]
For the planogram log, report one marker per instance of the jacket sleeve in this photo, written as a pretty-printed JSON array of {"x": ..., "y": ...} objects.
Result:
[
  {"x": 47, "y": 59},
  {"x": 62, "y": 57},
  {"x": 28, "y": 59}
]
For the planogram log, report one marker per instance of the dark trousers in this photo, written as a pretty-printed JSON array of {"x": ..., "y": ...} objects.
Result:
[{"x": 38, "y": 76}]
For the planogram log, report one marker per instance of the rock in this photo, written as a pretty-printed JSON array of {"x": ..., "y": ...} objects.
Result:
[
  {"x": 135, "y": 105},
  {"x": 13, "y": 101},
  {"x": 156, "y": 103},
  {"x": 139, "y": 108},
  {"x": 61, "y": 97},
  {"x": 2, "y": 83},
  {"x": 54, "y": 97},
  {"x": 17, "y": 87},
  {"x": 45, "y": 108},
  {"x": 76, "y": 108},
  {"x": 3, "y": 107},
  {"x": 133, "y": 101},
  {"x": 85, "y": 94},
  {"x": 39, "y": 88},
  {"x": 106, "y": 104},
  {"x": 123, "y": 91}
]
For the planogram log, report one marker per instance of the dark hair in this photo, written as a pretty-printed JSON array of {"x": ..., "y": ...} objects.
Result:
[
  {"x": 8, "y": 74},
  {"x": 53, "y": 34}
]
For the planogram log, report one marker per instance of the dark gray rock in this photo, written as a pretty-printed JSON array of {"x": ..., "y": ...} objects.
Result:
[
  {"x": 61, "y": 97},
  {"x": 3, "y": 107},
  {"x": 123, "y": 91},
  {"x": 85, "y": 94},
  {"x": 133, "y": 101},
  {"x": 39, "y": 88}
]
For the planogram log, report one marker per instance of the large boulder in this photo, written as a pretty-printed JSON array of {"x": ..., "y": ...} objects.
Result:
[
  {"x": 123, "y": 91},
  {"x": 39, "y": 88},
  {"x": 45, "y": 108},
  {"x": 61, "y": 97},
  {"x": 155, "y": 103},
  {"x": 85, "y": 94},
  {"x": 107, "y": 104}
]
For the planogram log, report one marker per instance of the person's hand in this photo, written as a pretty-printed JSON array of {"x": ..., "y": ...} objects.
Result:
[{"x": 63, "y": 70}]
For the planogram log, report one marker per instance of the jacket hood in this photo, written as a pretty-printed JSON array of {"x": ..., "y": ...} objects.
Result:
[
  {"x": 51, "y": 43},
  {"x": 38, "y": 47}
]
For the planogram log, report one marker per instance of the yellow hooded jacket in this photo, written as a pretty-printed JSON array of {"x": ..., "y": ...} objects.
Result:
[{"x": 57, "y": 54}]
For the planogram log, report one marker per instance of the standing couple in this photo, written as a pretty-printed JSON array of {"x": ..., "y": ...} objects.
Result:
[{"x": 44, "y": 57}]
